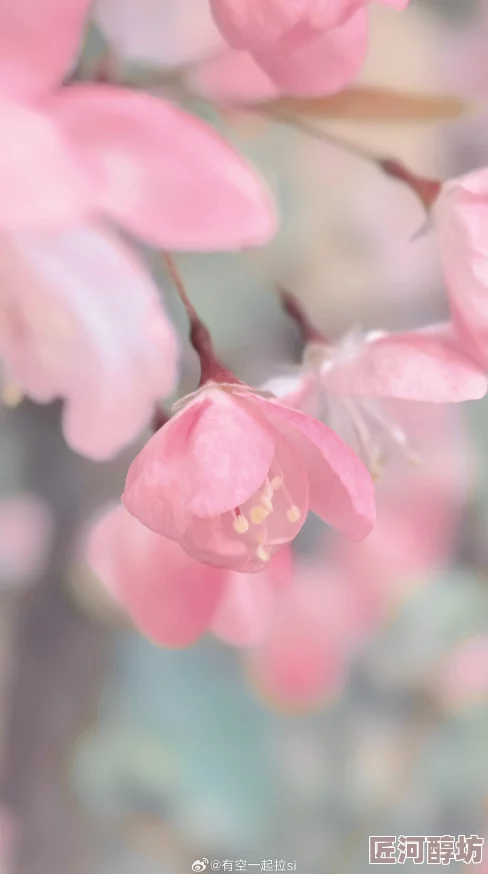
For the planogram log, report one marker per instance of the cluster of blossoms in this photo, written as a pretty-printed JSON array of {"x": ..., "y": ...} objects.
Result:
[{"x": 225, "y": 485}]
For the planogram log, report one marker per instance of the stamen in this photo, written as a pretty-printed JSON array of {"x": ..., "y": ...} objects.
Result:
[
  {"x": 240, "y": 524},
  {"x": 263, "y": 553},
  {"x": 293, "y": 514},
  {"x": 267, "y": 503},
  {"x": 276, "y": 483},
  {"x": 258, "y": 515}
]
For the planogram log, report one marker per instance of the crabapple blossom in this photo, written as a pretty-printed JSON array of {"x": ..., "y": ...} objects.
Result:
[
  {"x": 346, "y": 382},
  {"x": 233, "y": 475},
  {"x": 174, "y": 599}
]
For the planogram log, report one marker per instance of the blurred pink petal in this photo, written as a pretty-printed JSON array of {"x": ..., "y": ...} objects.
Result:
[
  {"x": 168, "y": 33},
  {"x": 302, "y": 659},
  {"x": 170, "y": 597},
  {"x": 324, "y": 65},
  {"x": 38, "y": 41},
  {"x": 41, "y": 183},
  {"x": 83, "y": 321},
  {"x": 229, "y": 478},
  {"x": 248, "y": 605},
  {"x": 164, "y": 174},
  {"x": 462, "y": 223},
  {"x": 26, "y": 531}
]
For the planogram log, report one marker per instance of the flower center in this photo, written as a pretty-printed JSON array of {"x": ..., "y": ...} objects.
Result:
[{"x": 269, "y": 518}]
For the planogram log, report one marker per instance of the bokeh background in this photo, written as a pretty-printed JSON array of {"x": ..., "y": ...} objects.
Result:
[{"x": 121, "y": 758}]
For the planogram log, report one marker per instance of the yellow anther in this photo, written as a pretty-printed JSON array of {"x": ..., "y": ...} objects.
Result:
[
  {"x": 276, "y": 483},
  {"x": 267, "y": 503},
  {"x": 293, "y": 514},
  {"x": 258, "y": 515},
  {"x": 11, "y": 394},
  {"x": 240, "y": 524},
  {"x": 263, "y": 553}
]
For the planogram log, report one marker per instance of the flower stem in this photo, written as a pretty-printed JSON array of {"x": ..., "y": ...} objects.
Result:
[
  {"x": 291, "y": 305},
  {"x": 427, "y": 190},
  {"x": 211, "y": 368}
]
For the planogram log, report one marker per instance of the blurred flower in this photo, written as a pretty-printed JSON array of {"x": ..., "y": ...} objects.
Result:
[
  {"x": 304, "y": 47},
  {"x": 26, "y": 531},
  {"x": 82, "y": 320},
  {"x": 233, "y": 475},
  {"x": 174, "y": 599}
]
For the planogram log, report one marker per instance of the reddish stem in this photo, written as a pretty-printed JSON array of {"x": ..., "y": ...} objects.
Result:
[
  {"x": 427, "y": 190},
  {"x": 211, "y": 368},
  {"x": 291, "y": 305}
]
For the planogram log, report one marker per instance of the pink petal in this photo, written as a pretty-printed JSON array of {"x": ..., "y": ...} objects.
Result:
[
  {"x": 207, "y": 460},
  {"x": 38, "y": 44},
  {"x": 84, "y": 322},
  {"x": 302, "y": 658},
  {"x": 461, "y": 217},
  {"x": 41, "y": 184},
  {"x": 323, "y": 66},
  {"x": 169, "y": 34},
  {"x": 170, "y": 597},
  {"x": 341, "y": 489},
  {"x": 246, "y": 610},
  {"x": 164, "y": 174},
  {"x": 232, "y": 77},
  {"x": 417, "y": 366}
]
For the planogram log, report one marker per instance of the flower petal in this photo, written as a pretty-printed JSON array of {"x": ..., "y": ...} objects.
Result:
[
  {"x": 341, "y": 489},
  {"x": 166, "y": 175},
  {"x": 83, "y": 321},
  {"x": 247, "y": 608},
  {"x": 38, "y": 43},
  {"x": 170, "y": 597},
  {"x": 41, "y": 184},
  {"x": 232, "y": 77},
  {"x": 323, "y": 66},
  {"x": 416, "y": 366}
]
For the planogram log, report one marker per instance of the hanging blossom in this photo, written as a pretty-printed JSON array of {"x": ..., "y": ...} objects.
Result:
[
  {"x": 305, "y": 47},
  {"x": 81, "y": 319},
  {"x": 347, "y": 382},
  {"x": 233, "y": 475},
  {"x": 172, "y": 598}
]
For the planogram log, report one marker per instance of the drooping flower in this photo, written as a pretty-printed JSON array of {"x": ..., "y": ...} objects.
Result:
[
  {"x": 174, "y": 599},
  {"x": 233, "y": 475}
]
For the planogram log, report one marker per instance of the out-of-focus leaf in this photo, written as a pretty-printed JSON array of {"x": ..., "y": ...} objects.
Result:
[{"x": 365, "y": 103}]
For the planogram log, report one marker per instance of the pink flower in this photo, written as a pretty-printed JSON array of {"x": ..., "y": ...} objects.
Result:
[
  {"x": 346, "y": 383},
  {"x": 233, "y": 475},
  {"x": 81, "y": 320},
  {"x": 26, "y": 531},
  {"x": 174, "y": 599},
  {"x": 305, "y": 47}
]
